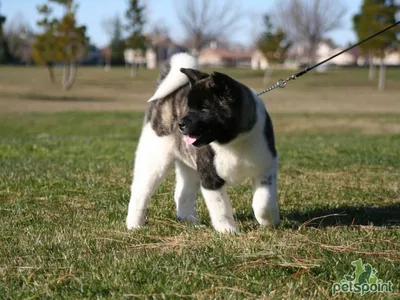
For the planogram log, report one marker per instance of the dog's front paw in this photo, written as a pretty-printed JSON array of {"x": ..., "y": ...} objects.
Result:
[
  {"x": 134, "y": 222},
  {"x": 191, "y": 218},
  {"x": 226, "y": 226}
]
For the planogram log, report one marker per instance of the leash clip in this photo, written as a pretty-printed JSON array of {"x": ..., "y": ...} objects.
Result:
[{"x": 281, "y": 83}]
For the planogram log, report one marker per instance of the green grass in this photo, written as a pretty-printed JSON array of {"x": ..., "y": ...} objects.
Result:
[{"x": 64, "y": 190}]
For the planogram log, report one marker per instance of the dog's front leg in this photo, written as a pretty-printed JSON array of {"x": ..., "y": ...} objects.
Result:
[
  {"x": 265, "y": 198},
  {"x": 220, "y": 209},
  {"x": 186, "y": 189}
]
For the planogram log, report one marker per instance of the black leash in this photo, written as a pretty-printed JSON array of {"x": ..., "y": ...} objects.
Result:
[{"x": 281, "y": 83}]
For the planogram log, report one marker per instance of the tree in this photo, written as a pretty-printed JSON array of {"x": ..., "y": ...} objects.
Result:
[
  {"x": 18, "y": 35},
  {"x": 113, "y": 28},
  {"x": 160, "y": 30},
  {"x": 274, "y": 44},
  {"x": 61, "y": 40},
  {"x": 117, "y": 44},
  {"x": 364, "y": 48},
  {"x": 45, "y": 49},
  {"x": 4, "y": 53},
  {"x": 159, "y": 37},
  {"x": 135, "y": 19},
  {"x": 204, "y": 21},
  {"x": 374, "y": 16},
  {"x": 72, "y": 42},
  {"x": 310, "y": 21}
]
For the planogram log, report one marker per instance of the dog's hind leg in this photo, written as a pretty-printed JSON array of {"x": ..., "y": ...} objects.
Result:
[
  {"x": 187, "y": 187},
  {"x": 265, "y": 198},
  {"x": 153, "y": 159}
]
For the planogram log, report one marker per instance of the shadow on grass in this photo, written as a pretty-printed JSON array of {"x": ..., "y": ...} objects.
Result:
[
  {"x": 345, "y": 216},
  {"x": 45, "y": 97},
  {"x": 341, "y": 216}
]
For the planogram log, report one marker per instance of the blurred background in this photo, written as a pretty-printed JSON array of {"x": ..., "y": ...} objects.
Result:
[{"x": 85, "y": 54}]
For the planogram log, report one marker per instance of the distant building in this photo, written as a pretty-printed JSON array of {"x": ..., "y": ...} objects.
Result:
[
  {"x": 164, "y": 47},
  {"x": 391, "y": 59},
  {"x": 224, "y": 58},
  {"x": 324, "y": 51},
  {"x": 159, "y": 49},
  {"x": 259, "y": 61},
  {"x": 298, "y": 55},
  {"x": 134, "y": 56}
]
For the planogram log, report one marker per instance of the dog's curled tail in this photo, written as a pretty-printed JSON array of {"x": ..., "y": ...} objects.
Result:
[{"x": 171, "y": 78}]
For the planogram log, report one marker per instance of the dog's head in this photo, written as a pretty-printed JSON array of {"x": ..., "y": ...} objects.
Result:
[{"x": 213, "y": 110}]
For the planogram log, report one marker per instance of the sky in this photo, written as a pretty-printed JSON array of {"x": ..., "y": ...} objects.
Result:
[{"x": 92, "y": 13}]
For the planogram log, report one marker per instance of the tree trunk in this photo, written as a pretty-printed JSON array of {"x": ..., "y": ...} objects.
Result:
[
  {"x": 66, "y": 72},
  {"x": 196, "y": 52},
  {"x": 312, "y": 52},
  {"x": 50, "y": 68},
  {"x": 382, "y": 75},
  {"x": 371, "y": 73},
  {"x": 133, "y": 70},
  {"x": 107, "y": 66},
  {"x": 267, "y": 74},
  {"x": 71, "y": 71}
]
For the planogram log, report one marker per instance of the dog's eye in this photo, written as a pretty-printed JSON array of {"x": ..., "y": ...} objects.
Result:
[{"x": 204, "y": 108}]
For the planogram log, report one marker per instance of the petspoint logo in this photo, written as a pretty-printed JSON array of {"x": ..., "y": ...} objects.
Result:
[{"x": 363, "y": 280}]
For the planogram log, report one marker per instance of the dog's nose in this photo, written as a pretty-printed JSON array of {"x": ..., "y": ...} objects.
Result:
[{"x": 182, "y": 124}]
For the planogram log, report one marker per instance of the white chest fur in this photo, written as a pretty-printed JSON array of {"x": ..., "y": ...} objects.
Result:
[{"x": 247, "y": 156}]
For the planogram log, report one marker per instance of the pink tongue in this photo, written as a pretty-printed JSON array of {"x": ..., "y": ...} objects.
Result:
[{"x": 190, "y": 140}]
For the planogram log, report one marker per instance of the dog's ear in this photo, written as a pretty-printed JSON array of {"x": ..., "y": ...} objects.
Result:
[
  {"x": 194, "y": 75},
  {"x": 222, "y": 83}
]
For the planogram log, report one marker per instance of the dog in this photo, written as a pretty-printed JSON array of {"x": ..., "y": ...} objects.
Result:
[{"x": 217, "y": 132}]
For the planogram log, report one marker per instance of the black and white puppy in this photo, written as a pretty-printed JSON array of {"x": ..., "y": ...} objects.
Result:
[{"x": 216, "y": 131}]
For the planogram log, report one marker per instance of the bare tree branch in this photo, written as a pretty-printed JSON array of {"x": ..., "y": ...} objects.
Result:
[
  {"x": 205, "y": 20},
  {"x": 310, "y": 21},
  {"x": 18, "y": 34},
  {"x": 108, "y": 26}
]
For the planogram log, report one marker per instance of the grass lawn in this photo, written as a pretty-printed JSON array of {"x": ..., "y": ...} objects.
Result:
[{"x": 64, "y": 188}]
